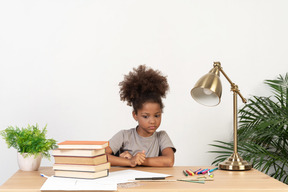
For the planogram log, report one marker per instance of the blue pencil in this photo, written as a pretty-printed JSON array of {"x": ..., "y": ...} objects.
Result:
[
  {"x": 213, "y": 169},
  {"x": 197, "y": 170}
]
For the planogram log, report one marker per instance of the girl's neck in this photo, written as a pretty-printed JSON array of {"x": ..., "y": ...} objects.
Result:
[{"x": 142, "y": 133}]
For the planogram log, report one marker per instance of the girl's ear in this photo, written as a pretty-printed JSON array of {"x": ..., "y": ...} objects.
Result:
[{"x": 134, "y": 116}]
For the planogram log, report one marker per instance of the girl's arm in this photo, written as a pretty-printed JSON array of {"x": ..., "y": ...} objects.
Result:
[
  {"x": 165, "y": 160},
  {"x": 138, "y": 159}
]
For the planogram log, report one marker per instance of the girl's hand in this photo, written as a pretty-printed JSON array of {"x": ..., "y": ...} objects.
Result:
[
  {"x": 138, "y": 159},
  {"x": 126, "y": 155}
]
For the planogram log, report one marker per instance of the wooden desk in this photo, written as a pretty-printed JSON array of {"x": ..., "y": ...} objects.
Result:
[{"x": 232, "y": 181}]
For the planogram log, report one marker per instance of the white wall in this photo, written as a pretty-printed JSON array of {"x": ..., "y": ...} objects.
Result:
[{"x": 61, "y": 62}]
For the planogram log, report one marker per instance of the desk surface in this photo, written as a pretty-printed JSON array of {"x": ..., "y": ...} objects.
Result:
[{"x": 251, "y": 180}]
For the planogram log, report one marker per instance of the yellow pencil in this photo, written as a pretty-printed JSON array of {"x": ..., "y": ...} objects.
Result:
[{"x": 192, "y": 173}]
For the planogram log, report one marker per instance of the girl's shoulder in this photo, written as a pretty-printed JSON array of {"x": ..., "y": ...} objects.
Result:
[
  {"x": 127, "y": 131},
  {"x": 161, "y": 133}
]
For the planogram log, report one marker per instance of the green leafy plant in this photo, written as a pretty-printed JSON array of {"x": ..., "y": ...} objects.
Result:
[
  {"x": 30, "y": 140},
  {"x": 263, "y": 132}
]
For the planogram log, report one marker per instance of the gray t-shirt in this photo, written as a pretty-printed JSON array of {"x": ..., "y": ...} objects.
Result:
[{"x": 129, "y": 140}]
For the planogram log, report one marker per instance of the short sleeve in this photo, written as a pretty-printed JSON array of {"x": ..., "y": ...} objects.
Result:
[
  {"x": 116, "y": 141},
  {"x": 165, "y": 141}
]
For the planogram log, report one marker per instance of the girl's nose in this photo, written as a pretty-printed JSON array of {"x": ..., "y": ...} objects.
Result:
[{"x": 152, "y": 120}]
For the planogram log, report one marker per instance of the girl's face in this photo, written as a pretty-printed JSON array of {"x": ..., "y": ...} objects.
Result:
[{"x": 149, "y": 119}]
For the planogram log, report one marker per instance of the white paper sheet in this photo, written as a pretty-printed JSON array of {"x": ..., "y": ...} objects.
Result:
[
  {"x": 106, "y": 183},
  {"x": 57, "y": 183}
]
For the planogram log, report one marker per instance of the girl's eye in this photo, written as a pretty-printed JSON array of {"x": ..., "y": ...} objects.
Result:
[
  {"x": 145, "y": 116},
  {"x": 157, "y": 116}
]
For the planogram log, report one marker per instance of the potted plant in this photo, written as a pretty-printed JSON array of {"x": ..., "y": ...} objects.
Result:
[
  {"x": 30, "y": 143},
  {"x": 263, "y": 132}
]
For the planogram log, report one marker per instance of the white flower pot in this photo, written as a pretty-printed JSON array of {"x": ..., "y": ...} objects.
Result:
[{"x": 29, "y": 163}]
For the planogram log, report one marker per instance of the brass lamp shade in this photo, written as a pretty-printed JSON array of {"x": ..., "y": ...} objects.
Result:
[{"x": 208, "y": 89}]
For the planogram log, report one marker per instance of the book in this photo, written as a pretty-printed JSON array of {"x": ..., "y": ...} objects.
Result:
[
  {"x": 84, "y": 168},
  {"x": 81, "y": 160},
  {"x": 83, "y": 144},
  {"x": 78, "y": 152},
  {"x": 80, "y": 174}
]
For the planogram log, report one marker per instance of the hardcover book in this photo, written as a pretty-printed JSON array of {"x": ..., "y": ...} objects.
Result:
[
  {"x": 78, "y": 152},
  {"x": 83, "y": 168},
  {"x": 83, "y": 144},
  {"x": 83, "y": 175},
  {"x": 80, "y": 160}
]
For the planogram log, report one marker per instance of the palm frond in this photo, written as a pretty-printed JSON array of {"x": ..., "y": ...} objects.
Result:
[{"x": 263, "y": 132}]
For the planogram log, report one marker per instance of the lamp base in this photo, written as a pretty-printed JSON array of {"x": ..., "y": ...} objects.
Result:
[{"x": 235, "y": 163}]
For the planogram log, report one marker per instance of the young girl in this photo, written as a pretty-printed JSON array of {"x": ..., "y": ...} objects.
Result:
[{"x": 143, "y": 89}]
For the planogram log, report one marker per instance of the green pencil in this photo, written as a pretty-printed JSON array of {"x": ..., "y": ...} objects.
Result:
[
  {"x": 185, "y": 173},
  {"x": 202, "y": 182}
]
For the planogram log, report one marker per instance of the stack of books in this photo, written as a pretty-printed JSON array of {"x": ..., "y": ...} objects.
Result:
[{"x": 81, "y": 159}]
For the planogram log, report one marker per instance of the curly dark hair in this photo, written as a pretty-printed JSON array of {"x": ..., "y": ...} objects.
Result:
[{"x": 142, "y": 85}]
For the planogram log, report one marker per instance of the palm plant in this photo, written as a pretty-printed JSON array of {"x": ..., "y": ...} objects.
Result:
[{"x": 263, "y": 132}]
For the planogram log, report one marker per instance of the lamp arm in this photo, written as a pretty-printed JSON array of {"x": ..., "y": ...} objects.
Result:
[{"x": 234, "y": 87}]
